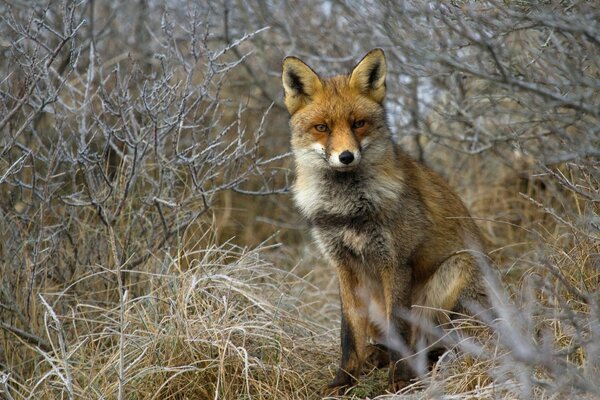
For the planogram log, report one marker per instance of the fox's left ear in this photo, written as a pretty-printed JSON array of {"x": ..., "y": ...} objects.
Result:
[{"x": 369, "y": 75}]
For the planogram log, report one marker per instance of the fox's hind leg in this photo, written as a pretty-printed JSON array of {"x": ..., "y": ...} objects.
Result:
[
  {"x": 455, "y": 281},
  {"x": 474, "y": 301}
]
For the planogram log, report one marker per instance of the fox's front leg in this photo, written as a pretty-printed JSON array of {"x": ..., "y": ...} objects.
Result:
[
  {"x": 354, "y": 328},
  {"x": 397, "y": 285}
]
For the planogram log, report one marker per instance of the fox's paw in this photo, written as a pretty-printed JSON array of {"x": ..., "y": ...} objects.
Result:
[
  {"x": 400, "y": 376},
  {"x": 398, "y": 385},
  {"x": 339, "y": 385},
  {"x": 334, "y": 391}
]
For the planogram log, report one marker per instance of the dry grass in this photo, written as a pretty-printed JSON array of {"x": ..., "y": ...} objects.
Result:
[{"x": 231, "y": 325}]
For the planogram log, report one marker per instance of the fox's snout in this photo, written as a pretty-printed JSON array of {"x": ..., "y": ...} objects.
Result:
[
  {"x": 346, "y": 157},
  {"x": 344, "y": 160}
]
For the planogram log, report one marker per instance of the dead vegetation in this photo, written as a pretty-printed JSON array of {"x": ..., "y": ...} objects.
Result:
[{"x": 149, "y": 250}]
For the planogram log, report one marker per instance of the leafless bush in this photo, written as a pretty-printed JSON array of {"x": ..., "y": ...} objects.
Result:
[{"x": 116, "y": 136}]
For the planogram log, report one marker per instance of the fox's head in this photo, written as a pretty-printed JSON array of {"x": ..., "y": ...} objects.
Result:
[{"x": 336, "y": 122}]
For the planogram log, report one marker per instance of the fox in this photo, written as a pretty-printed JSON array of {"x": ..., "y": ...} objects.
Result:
[{"x": 403, "y": 244}]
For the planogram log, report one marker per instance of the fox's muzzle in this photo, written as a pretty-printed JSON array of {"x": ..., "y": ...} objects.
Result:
[{"x": 345, "y": 160}]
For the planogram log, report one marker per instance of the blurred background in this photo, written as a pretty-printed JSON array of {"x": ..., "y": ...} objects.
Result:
[{"x": 149, "y": 247}]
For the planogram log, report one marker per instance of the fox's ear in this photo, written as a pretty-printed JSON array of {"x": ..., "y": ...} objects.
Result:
[
  {"x": 369, "y": 75},
  {"x": 300, "y": 82}
]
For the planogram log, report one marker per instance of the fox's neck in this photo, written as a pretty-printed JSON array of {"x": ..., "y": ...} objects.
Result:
[{"x": 371, "y": 187}]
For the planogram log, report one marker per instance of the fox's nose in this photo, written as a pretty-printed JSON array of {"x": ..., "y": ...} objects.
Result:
[{"x": 346, "y": 157}]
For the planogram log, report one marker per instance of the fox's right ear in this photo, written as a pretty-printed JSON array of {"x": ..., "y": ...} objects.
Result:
[{"x": 300, "y": 82}]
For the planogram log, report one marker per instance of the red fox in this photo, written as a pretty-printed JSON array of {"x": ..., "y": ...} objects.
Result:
[{"x": 402, "y": 242}]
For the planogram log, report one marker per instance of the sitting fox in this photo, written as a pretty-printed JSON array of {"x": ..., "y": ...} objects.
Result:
[{"x": 402, "y": 242}]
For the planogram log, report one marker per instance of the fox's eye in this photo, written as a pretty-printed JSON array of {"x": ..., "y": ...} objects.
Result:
[
  {"x": 321, "y": 128},
  {"x": 358, "y": 124}
]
